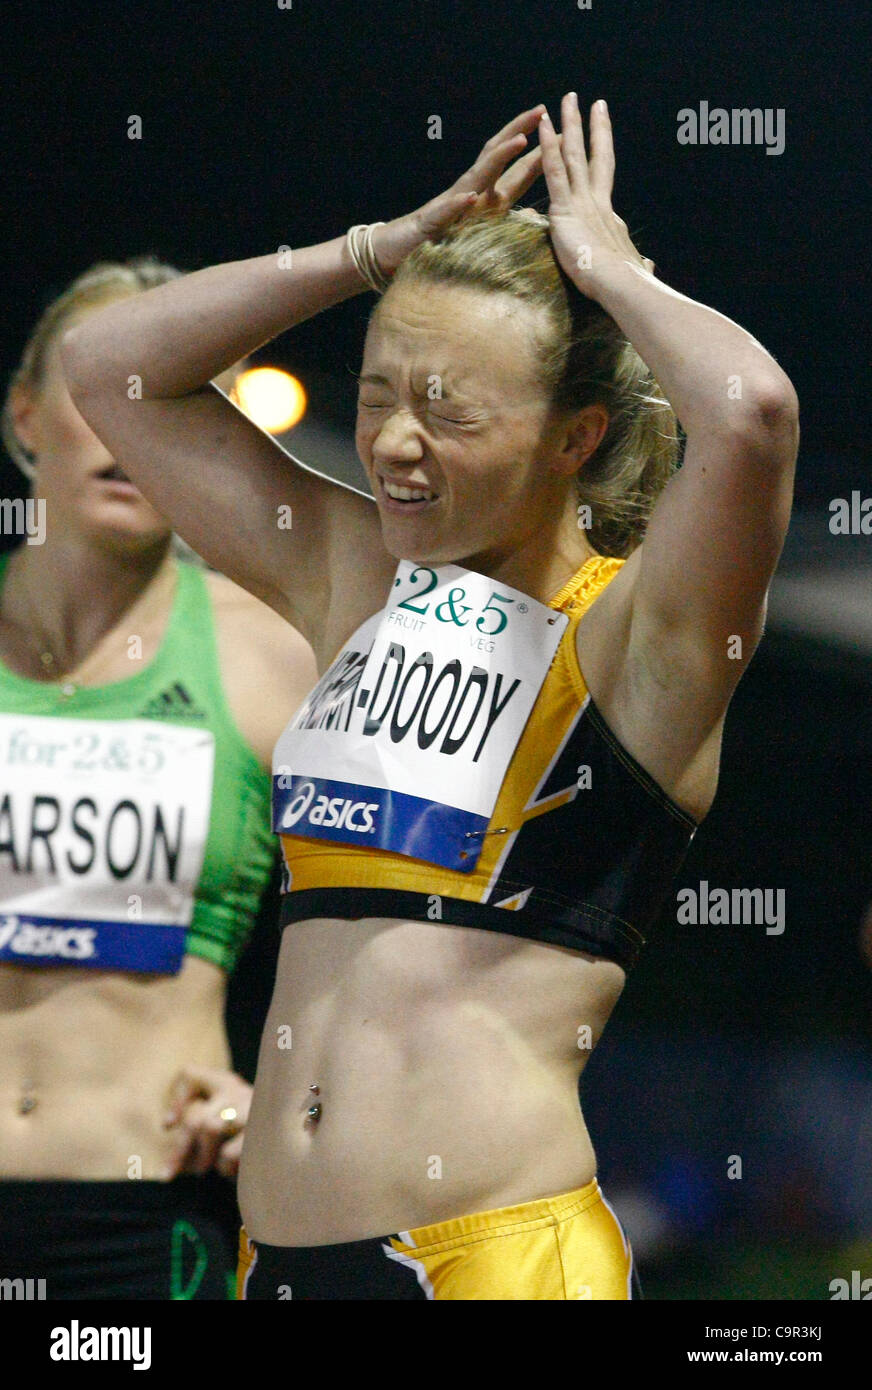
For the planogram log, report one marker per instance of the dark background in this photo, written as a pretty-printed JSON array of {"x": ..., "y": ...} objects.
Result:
[{"x": 264, "y": 127}]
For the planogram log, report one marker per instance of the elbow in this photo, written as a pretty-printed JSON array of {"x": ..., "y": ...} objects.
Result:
[
  {"x": 78, "y": 360},
  {"x": 771, "y": 418},
  {"x": 776, "y": 403},
  {"x": 88, "y": 361}
]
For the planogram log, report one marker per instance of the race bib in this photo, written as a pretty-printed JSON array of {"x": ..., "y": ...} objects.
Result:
[
  {"x": 404, "y": 742},
  {"x": 103, "y": 829}
]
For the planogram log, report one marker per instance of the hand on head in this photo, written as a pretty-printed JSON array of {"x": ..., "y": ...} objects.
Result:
[{"x": 499, "y": 177}]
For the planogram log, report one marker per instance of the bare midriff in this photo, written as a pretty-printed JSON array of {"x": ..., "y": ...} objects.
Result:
[
  {"x": 87, "y": 1063},
  {"x": 447, "y": 1062}
]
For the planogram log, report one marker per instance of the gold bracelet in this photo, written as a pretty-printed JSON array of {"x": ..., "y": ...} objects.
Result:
[{"x": 359, "y": 239}]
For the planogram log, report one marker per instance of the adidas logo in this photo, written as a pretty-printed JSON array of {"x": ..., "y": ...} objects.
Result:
[{"x": 172, "y": 703}]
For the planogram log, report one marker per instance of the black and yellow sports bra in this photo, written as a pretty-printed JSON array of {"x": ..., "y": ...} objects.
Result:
[{"x": 581, "y": 846}]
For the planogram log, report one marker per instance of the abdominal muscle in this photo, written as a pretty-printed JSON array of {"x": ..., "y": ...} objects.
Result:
[
  {"x": 447, "y": 1063},
  {"x": 87, "y": 1062}
]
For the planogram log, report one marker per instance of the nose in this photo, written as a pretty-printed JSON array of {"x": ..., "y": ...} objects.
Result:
[{"x": 398, "y": 439}]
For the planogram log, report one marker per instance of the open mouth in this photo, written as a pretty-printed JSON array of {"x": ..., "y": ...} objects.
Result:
[{"x": 407, "y": 498}]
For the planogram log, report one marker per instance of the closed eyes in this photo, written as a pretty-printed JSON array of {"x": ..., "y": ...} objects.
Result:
[{"x": 446, "y": 419}]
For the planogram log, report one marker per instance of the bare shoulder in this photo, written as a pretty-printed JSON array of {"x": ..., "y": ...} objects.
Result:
[{"x": 267, "y": 666}]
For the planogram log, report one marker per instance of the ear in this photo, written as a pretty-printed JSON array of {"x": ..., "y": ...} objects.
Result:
[
  {"x": 579, "y": 436},
  {"x": 22, "y": 412}
]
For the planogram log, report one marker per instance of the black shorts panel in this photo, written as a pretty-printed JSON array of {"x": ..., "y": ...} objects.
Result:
[{"x": 119, "y": 1240}]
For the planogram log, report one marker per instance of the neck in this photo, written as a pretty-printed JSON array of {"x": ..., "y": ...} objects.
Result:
[
  {"x": 542, "y": 559},
  {"x": 76, "y": 591}
]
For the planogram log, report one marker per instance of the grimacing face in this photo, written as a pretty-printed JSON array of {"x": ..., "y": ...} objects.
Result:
[
  {"x": 454, "y": 426},
  {"x": 85, "y": 493}
]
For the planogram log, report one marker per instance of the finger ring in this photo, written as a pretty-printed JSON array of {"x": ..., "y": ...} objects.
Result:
[{"x": 229, "y": 1114}]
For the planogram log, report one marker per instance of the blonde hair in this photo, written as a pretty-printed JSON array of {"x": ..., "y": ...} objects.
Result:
[
  {"x": 584, "y": 358},
  {"x": 103, "y": 282}
]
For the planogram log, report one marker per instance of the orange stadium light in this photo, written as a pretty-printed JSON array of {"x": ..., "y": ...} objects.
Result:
[{"x": 272, "y": 398}]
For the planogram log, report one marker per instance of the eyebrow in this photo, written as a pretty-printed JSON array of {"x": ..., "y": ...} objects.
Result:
[{"x": 375, "y": 379}]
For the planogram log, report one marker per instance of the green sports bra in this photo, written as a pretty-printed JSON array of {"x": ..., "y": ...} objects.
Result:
[{"x": 134, "y": 817}]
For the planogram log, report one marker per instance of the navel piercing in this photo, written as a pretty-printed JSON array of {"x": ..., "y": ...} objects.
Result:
[
  {"x": 316, "y": 1088},
  {"x": 314, "y": 1113},
  {"x": 28, "y": 1101}
]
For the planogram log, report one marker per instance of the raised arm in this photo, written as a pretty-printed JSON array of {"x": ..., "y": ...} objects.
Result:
[
  {"x": 139, "y": 372},
  {"x": 700, "y": 579}
]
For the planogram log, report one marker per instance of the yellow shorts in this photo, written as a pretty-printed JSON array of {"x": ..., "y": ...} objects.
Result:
[{"x": 566, "y": 1247}]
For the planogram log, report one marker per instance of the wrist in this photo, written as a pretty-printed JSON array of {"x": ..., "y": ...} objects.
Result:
[
  {"x": 608, "y": 272},
  {"x": 359, "y": 240},
  {"x": 393, "y": 241}
]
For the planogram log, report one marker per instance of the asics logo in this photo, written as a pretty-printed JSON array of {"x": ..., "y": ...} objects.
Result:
[
  {"x": 29, "y": 939},
  {"x": 331, "y": 812},
  {"x": 296, "y": 809}
]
